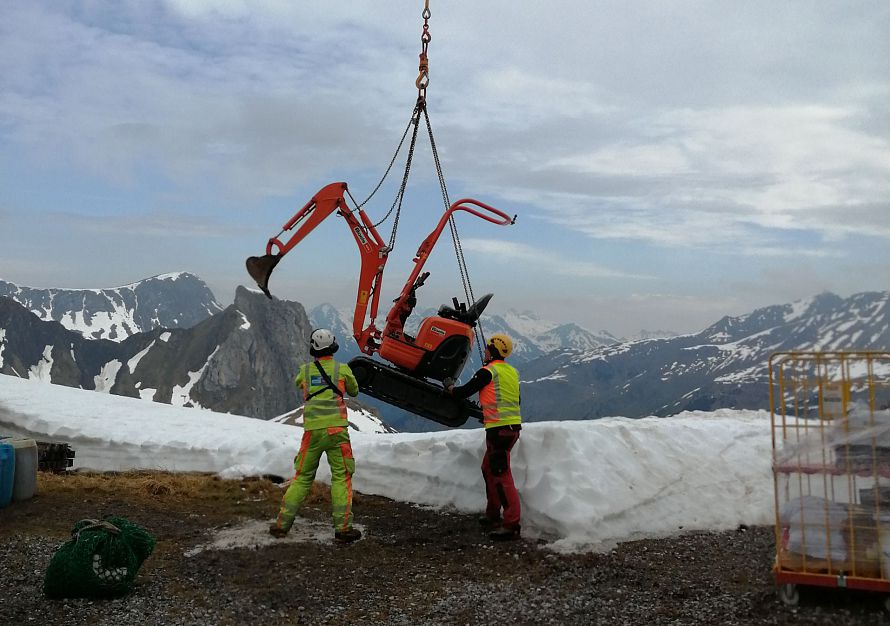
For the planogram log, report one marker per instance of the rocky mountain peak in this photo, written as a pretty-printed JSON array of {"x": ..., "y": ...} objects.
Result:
[{"x": 241, "y": 360}]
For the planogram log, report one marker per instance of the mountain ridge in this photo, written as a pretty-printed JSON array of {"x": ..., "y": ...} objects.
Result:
[
  {"x": 723, "y": 366},
  {"x": 240, "y": 360},
  {"x": 172, "y": 300},
  {"x": 532, "y": 336}
]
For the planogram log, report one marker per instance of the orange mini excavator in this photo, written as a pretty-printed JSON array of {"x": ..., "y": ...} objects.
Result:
[{"x": 443, "y": 341}]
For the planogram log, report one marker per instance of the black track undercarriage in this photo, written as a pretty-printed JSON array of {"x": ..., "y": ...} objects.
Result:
[{"x": 416, "y": 395}]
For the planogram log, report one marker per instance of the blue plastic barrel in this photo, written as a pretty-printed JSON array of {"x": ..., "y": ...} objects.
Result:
[{"x": 7, "y": 472}]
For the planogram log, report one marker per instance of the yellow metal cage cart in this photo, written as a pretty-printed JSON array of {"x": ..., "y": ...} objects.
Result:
[{"x": 830, "y": 417}]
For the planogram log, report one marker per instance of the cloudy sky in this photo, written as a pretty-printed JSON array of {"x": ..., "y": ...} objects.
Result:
[{"x": 669, "y": 162}]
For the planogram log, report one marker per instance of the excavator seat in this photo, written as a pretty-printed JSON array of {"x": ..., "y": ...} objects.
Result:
[{"x": 461, "y": 313}]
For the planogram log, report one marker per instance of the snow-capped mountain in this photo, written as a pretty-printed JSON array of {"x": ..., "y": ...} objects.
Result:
[
  {"x": 241, "y": 360},
  {"x": 651, "y": 334},
  {"x": 176, "y": 300},
  {"x": 339, "y": 322},
  {"x": 723, "y": 366},
  {"x": 532, "y": 336}
]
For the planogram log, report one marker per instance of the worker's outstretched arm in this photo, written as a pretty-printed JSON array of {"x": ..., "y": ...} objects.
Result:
[{"x": 479, "y": 380}]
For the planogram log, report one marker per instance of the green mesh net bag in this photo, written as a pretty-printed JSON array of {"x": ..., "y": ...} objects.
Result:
[{"x": 100, "y": 560}]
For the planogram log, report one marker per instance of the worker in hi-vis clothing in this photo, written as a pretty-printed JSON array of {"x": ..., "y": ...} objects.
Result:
[
  {"x": 325, "y": 430},
  {"x": 497, "y": 383}
]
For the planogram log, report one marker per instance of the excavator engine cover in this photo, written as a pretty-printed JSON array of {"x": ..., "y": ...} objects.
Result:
[
  {"x": 397, "y": 388},
  {"x": 439, "y": 350}
]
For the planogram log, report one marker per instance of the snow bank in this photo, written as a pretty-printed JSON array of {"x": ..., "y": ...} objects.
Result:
[{"x": 584, "y": 485}]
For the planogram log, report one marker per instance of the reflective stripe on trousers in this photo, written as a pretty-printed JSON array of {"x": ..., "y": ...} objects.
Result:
[{"x": 334, "y": 442}]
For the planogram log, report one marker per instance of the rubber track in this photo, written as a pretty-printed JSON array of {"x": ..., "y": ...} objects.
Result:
[{"x": 412, "y": 394}]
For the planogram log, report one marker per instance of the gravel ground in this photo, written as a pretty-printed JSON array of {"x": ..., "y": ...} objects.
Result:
[{"x": 414, "y": 566}]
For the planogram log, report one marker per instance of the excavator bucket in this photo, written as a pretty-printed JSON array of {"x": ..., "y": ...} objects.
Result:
[{"x": 260, "y": 269}]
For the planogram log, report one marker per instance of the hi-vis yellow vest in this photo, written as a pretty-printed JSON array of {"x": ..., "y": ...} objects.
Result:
[
  {"x": 327, "y": 409},
  {"x": 500, "y": 397}
]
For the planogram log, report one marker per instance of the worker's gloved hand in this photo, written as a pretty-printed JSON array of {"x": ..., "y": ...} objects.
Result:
[{"x": 448, "y": 382}]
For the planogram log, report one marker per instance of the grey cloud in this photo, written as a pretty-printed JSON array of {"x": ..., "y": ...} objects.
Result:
[
  {"x": 207, "y": 86},
  {"x": 115, "y": 101},
  {"x": 766, "y": 182},
  {"x": 691, "y": 125},
  {"x": 872, "y": 219}
]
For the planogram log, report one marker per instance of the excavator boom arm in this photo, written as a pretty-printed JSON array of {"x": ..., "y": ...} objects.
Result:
[
  {"x": 374, "y": 253},
  {"x": 373, "y": 250}
]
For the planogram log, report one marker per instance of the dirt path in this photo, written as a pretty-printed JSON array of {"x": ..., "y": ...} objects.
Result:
[{"x": 414, "y": 566}]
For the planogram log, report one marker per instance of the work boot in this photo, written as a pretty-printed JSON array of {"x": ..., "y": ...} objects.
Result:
[
  {"x": 277, "y": 531},
  {"x": 488, "y": 522},
  {"x": 504, "y": 533},
  {"x": 348, "y": 536}
]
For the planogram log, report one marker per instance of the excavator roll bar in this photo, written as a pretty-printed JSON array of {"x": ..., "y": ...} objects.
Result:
[{"x": 405, "y": 302}]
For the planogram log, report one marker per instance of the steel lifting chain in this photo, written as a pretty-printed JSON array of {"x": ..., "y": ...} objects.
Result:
[
  {"x": 422, "y": 81},
  {"x": 386, "y": 173},
  {"x": 455, "y": 237},
  {"x": 397, "y": 202},
  {"x": 401, "y": 193}
]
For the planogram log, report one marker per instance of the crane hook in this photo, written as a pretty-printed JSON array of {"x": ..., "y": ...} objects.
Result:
[{"x": 423, "y": 77}]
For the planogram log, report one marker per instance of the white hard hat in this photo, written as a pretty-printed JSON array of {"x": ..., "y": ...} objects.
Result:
[{"x": 321, "y": 339}]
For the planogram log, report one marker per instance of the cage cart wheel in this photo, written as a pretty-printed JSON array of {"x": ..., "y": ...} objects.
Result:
[{"x": 790, "y": 596}]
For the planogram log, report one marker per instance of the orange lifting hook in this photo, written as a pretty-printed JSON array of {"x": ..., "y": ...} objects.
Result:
[{"x": 423, "y": 78}]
